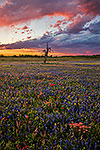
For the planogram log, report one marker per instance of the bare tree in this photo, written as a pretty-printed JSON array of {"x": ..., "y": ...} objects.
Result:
[{"x": 48, "y": 49}]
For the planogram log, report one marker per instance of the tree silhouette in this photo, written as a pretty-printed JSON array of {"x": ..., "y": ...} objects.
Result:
[{"x": 48, "y": 49}]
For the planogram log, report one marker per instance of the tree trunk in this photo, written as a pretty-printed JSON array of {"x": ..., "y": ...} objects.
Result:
[{"x": 45, "y": 59}]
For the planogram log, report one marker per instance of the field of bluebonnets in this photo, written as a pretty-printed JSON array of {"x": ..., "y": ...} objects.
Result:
[{"x": 49, "y": 107}]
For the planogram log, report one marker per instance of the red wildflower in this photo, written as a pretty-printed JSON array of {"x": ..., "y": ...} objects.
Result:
[
  {"x": 26, "y": 116},
  {"x": 25, "y": 147},
  {"x": 3, "y": 118},
  {"x": 52, "y": 84}
]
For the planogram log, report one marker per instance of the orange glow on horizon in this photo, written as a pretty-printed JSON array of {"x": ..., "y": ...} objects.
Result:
[{"x": 17, "y": 52}]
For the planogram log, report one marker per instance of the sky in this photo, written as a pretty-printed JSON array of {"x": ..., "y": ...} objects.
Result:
[{"x": 71, "y": 27}]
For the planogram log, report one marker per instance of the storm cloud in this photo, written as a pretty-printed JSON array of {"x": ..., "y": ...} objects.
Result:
[
  {"x": 81, "y": 31},
  {"x": 17, "y": 11}
]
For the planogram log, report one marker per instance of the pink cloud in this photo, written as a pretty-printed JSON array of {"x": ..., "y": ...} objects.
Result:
[
  {"x": 18, "y": 28},
  {"x": 28, "y": 37},
  {"x": 12, "y": 26},
  {"x": 19, "y": 11},
  {"x": 25, "y": 27},
  {"x": 58, "y": 23},
  {"x": 47, "y": 32},
  {"x": 90, "y": 6},
  {"x": 51, "y": 25}
]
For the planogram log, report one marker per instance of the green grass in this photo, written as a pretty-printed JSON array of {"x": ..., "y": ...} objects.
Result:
[{"x": 57, "y": 59}]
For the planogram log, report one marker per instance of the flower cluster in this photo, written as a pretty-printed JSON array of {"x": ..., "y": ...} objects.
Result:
[{"x": 79, "y": 126}]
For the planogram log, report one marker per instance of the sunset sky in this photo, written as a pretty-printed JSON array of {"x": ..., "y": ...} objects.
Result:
[{"x": 72, "y": 27}]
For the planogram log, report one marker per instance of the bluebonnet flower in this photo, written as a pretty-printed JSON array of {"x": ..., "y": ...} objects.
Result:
[
  {"x": 56, "y": 131},
  {"x": 95, "y": 145},
  {"x": 55, "y": 142}
]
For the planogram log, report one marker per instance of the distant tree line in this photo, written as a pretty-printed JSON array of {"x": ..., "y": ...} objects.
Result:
[
  {"x": 42, "y": 56},
  {"x": 37, "y": 56}
]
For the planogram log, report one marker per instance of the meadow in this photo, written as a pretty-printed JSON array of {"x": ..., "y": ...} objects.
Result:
[
  {"x": 40, "y": 59},
  {"x": 53, "y": 106}
]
